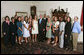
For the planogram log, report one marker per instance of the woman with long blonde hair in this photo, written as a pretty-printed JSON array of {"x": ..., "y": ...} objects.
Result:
[{"x": 48, "y": 29}]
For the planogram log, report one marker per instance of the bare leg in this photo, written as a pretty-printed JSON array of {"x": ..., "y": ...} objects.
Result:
[
  {"x": 49, "y": 39},
  {"x": 19, "y": 40},
  {"x": 16, "y": 39},
  {"x": 26, "y": 39},
  {"x": 35, "y": 37},
  {"x": 29, "y": 39},
  {"x": 22, "y": 38},
  {"x": 56, "y": 39}
]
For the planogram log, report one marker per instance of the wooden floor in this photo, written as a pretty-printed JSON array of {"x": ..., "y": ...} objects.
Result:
[{"x": 37, "y": 48}]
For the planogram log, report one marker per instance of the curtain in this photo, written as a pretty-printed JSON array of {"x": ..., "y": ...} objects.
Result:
[{"x": 81, "y": 21}]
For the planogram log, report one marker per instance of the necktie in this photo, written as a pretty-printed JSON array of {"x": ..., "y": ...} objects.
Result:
[
  {"x": 73, "y": 25},
  {"x": 40, "y": 21}
]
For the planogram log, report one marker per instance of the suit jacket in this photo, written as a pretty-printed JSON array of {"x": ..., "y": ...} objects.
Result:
[
  {"x": 5, "y": 28},
  {"x": 13, "y": 28},
  {"x": 40, "y": 26},
  {"x": 45, "y": 23}
]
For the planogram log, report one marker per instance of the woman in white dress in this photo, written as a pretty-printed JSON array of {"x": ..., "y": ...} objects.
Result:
[
  {"x": 61, "y": 33},
  {"x": 26, "y": 33},
  {"x": 34, "y": 29}
]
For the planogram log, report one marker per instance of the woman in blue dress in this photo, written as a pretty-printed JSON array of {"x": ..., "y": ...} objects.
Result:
[{"x": 19, "y": 29}]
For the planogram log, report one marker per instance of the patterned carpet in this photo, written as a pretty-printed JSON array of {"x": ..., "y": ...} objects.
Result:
[{"x": 37, "y": 48}]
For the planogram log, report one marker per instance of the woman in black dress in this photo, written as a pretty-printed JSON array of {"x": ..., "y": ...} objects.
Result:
[
  {"x": 67, "y": 34},
  {"x": 5, "y": 30},
  {"x": 13, "y": 30}
]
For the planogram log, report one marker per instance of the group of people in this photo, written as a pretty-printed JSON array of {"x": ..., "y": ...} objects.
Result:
[{"x": 41, "y": 29}]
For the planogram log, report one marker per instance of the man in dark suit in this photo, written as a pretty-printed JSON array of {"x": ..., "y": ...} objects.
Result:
[
  {"x": 40, "y": 28},
  {"x": 16, "y": 20},
  {"x": 44, "y": 27},
  {"x": 6, "y": 30},
  {"x": 13, "y": 31}
]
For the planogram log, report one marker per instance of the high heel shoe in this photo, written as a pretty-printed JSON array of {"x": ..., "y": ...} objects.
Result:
[
  {"x": 33, "y": 40},
  {"x": 26, "y": 41},
  {"x": 48, "y": 42},
  {"x": 54, "y": 44},
  {"x": 20, "y": 43},
  {"x": 16, "y": 41}
]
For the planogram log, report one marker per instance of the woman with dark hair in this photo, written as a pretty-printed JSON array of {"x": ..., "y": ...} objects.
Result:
[
  {"x": 5, "y": 30},
  {"x": 26, "y": 33},
  {"x": 12, "y": 30},
  {"x": 34, "y": 29},
  {"x": 55, "y": 31},
  {"x": 67, "y": 33},
  {"x": 19, "y": 29}
]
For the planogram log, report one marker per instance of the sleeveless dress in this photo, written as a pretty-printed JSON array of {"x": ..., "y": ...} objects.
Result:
[
  {"x": 35, "y": 25},
  {"x": 26, "y": 32},
  {"x": 48, "y": 33},
  {"x": 19, "y": 32},
  {"x": 56, "y": 33}
]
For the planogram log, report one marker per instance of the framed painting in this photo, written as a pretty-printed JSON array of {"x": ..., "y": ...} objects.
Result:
[{"x": 21, "y": 13}]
